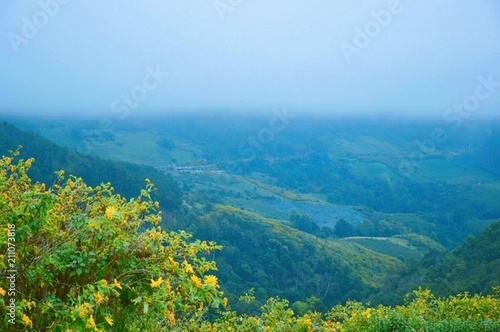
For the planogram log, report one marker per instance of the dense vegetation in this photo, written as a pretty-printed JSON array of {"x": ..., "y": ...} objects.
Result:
[
  {"x": 85, "y": 262},
  {"x": 474, "y": 265},
  {"x": 127, "y": 178},
  {"x": 278, "y": 260},
  {"x": 312, "y": 265}
]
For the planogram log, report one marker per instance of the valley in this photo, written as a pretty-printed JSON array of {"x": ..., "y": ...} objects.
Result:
[{"x": 324, "y": 193}]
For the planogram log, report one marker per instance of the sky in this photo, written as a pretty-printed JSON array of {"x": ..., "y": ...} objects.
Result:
[{"x": 403, "y": 57}]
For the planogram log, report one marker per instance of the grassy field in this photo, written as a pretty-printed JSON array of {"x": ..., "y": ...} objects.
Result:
[{"x": 400, "y": 247}]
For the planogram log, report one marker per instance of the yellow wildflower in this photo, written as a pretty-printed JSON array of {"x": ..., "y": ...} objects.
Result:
[
  {"x": 172, "y": 319},
  {"x": 30, "y": 304},
  {"x": 156, "y": 283},
  {"x": 173, "y": 261},
  {"x": 84, "y": 309},
  {"x": 225, "y": 302},
  {"x": 27, "y": 321},
  {"x": 90, "y": 323},
  {"x": 188, "y": 267},
  {"x": 2, "y": 291},
  {"x": 110, "y": 210},
  {"x": 99, "y": 298},
  {"x": 109, "y": 320},
  {"x": 104, "y": 282},
  {"x": 211, "y": 280},
  {"x": 117, "y": 284},
  {"x": 196, "y": 281}
]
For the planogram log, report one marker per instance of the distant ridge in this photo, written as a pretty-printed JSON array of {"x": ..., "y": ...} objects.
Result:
[{"x": 127, "y": 178}]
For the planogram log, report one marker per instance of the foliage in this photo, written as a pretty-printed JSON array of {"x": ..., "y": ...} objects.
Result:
[
  {"x": 278, "y": 260},
  {"x": 127, "y": 178},
  {"x": 90, "y": 260},
  {"x": 85, "y": 262},
  {"x": 472, "y": 266},
  {"x": 422, "y": 312}
]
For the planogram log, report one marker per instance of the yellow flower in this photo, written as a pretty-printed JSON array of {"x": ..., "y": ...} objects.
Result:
[
  {"x": 188, "y": 267},
  {"x": 156, "y": 283},
  {"x": 172, "y": 319},
  {"x": 84, "y": 309},
  {"x": 196, "y": 281},
  {"x": 27, "y": 321},
  {"x": 225, "y": 302},
  {"x": 109, "y": 320},
  {"x": 30, "y": 304},
  {"x": 211, "y": 280},
  {"x": 99, "y": 298},
  {"x": 2, "y": 291},
  {"x": 91, "y": 323},
  {"x": 109, "y": 212},
  {"x": 104, "y": 282},
  {"x": 117, "y": 284}
]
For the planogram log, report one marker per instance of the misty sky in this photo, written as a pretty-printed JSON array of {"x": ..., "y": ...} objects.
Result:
[{"x": 418, "y": 56}]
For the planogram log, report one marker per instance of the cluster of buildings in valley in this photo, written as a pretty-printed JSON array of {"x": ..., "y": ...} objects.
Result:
[{"x": 192, "y": 169}]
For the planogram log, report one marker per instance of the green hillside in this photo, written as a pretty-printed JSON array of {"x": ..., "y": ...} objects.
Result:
[
  {"x": 402, "y": 247},
  {"x": 450, "y": 191},
  {"x": 256, "y": 211},
  {"x": 127, "y": 178},
  {"x": 260, "y": 253},
  {"x": 473, "y": 266},
  {"x": 278, "y": 260}
]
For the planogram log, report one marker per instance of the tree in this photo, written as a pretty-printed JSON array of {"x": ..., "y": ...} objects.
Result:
[
  {"x": 343, "y": 228},
  {"x": 304, "y": 223}
]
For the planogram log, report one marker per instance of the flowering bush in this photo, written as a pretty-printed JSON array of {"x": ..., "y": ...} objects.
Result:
[{"x": 90, "y": 260}]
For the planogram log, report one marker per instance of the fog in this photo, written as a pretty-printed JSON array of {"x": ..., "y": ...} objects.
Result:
[{"x": 405, "y": 58}]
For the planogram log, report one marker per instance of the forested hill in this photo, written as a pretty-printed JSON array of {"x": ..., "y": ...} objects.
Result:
[
  {"x": 127, "y": 178},
  {"x": 473, "y": 266},
  {"x": 276, "y": 257}
]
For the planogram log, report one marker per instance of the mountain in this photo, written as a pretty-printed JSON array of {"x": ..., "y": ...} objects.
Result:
[
  {"x": 403, "y": 176},
  {"x": 318, "y": 215},
  {"x": 262, "y": 253},
  {"x": 127, "y": 178}
]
